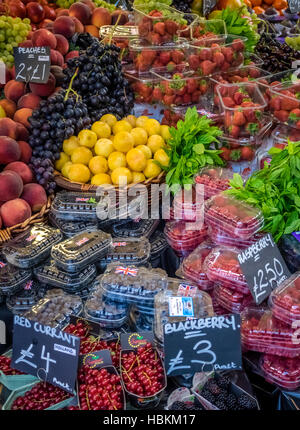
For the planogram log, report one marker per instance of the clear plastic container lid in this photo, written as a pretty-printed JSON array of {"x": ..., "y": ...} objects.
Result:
[
  {"x": 138, "y": 45},
  {"x": 119, "y": 31},
  {"x": 72, "y": 255},
  {"x": 31, "y": 247},
  {"x": 180, "y": 301},
  {"x": 50, "y": 274},
  {"x": 192, "y": 266},
  {"x": 71, "y": 228},
  {"x": 11, "y": 277},
  {"x": 214, "y": 180},
  {"x": 132, "y": 284},
  {"x": 78, "y": 206},
  {"x": 26, "y": 297},
  {"x": 158, "y": 244},
  {"x": 222, "y": 266},
  {"x": 289, "y": 246},
  {"x": 54, "y": 309},
  {"x": 285, "y": 104},
  {"x": 231, "y": 300},
  {"x": 232, "y": 216},
  {"x": 281, "y": 371},
  {"x": 285, "y": 300},
  {"x": 219, "y": 237},
  {"x": 128, "y": 251},
  {"x": 137, "y": 229},
  {"x": 184, "y": 236},
  {"x": 261, "y": 332}
]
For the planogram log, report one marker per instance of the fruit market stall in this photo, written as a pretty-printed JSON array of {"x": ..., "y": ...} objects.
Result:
[{"x": 149, "y": 192}]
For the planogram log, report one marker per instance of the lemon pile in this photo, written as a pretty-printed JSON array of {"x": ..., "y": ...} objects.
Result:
[{"x": 115, "y": 152}]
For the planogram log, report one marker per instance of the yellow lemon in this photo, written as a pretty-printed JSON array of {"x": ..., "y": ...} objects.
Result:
[
  {"x": 152, "y": 169},
  {"x": 70, "y": 144},
  {"x": 155, "y": 142},
  {"x": 87, "y": 138},
  {"x": 101, "y": 179},
  {"x": 165, "y": 132},
  {"x": 121, "y": 176},
  {"x": 61, "y": 161},
  {"x": 98, "y": 164},
  {"x": 121, "y": 126},
  {"x": 102, "y": 129},
  {"x": 104, "y": 147},
  {"x": 2, "y": 112},
  {"x": 162, "y": 157},
  {"x": 109, "y": 119},
  {"x": 140, "y": 136},
  {"x": 116, "y": 159},
  {"x": 141, "y": 121},
  {"x": 81, "y": 155},
  {"x": 146, "y": 150},
  {"x": 136, "y": 159},
  {"x": 65, "y": 169},
  {"x": 138, "y": 177},
  {"x": 131, "y": 119},
  {"x": 123, "y": 141},
  {"x": 79, "y": 173},
  {"x": 152, "y": 126}
]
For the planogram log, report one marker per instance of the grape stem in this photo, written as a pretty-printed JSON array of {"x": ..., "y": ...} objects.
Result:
[
  {"x": 113, "y": 29},
  {"x": 70, "y": 86}
]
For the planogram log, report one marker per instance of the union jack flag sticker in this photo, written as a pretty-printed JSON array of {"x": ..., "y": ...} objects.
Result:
[
  {"x": 119, "y": 244},
  {"x": 187, "y": 290},
  {"x": 2, "y": 264},
  {"x": 28, "y": 285},
  {"x": 126, "y": 271}
]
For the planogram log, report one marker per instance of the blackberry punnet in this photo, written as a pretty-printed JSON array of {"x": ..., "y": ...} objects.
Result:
[
  {"x": 231, "y": 401},
  {"x": 224, "y": 382},
  {"x": 182, "y": 6},
  {"x": 246, "y": 402}
]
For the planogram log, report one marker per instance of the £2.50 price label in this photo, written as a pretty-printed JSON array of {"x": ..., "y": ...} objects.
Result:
[{"x": 263, "y": 267}]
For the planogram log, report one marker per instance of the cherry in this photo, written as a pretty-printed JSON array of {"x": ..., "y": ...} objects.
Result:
[
  {"x": 38, "y": 397},
  {"x": 5, "y": 363}
]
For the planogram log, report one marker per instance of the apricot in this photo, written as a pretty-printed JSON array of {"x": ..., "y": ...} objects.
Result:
[
  {"x": 100, "y": 17},
  {"x": 9, "y": 106},
  {"x": 92, "y": 29},
  {"x": 15, "y": 212},
  {"x": 22, "y": 116},
  {"x": 11, "y": 185}
]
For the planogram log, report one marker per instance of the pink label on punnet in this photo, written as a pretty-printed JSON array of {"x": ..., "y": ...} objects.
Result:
[
  {"x": 82, "y": 241},
  {"x": 31, "y": 238},
  {"x": 2, "y": 264}
]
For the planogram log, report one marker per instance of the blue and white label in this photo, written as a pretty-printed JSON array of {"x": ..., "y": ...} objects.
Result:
[{"x": 181, "y": 307}]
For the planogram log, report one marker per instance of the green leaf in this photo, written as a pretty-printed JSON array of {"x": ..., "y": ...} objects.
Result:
[{"x": 199, "y": 148}]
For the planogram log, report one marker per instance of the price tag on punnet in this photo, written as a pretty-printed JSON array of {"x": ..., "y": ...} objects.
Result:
[
  {"x": 202, "y": 345},
  {"x": 45, "y": 352},
  {"x": 264, "y": 267},
  {"x": 32, "y": 64},
  {"x": 294, "y": 6}
]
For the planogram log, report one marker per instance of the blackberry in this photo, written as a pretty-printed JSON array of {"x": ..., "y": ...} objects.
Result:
[
  {"x": 177, "y": 406},
  {"x": 212, "y": 386},
  {"x": 231, "y": 402},
  {"x": 208, "y": 395},
  {"x": 222, "y": 396},
  {"x": 246, "y": 402},
  {"x": 220, "y": 405},
  {"x": 224, "y": 382}
]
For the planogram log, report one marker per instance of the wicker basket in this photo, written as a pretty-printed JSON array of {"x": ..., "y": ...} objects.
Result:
[{"x": 41, "y": 216}]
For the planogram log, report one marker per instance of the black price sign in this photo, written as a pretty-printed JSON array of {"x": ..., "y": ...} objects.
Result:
[
  {"x": 263, "y": 267},
  {"x": 45, "y": 352},
  {"x": 201, "y": 345},
  {"x": 32, "y": 64},
  {"x": 294, "y": 6}
]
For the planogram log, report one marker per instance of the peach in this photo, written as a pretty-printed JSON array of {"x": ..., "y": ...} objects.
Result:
[
  {"x": 49, "y": 13},
  {"x": 22, "y": 116},
  {"x": 26, "y": 151},
  {"x": 62, "y": 44},
  {"x": 9, "y": 150},
  {"x": 89, "y": 3},
  {"x": 56, "y": 58},
  {"x": 120, "y": 16},
  {"x": 57, "y": 72},
  {"x": 29, "y": 100},
  {"x": 35, "y": 196},
  {"x": 17, "y": 9},
  {"x": 8, "y": 127},
  {"x": 35, "y": 12},
  {"x": 21, "y": 132},
  {"x": 15, "y": 212},
  {"x": 43, "y": 90},
  {"x": 71, "y": 54},
  {"x": 81, "y": 11},
  {"x": 100, "y": 17},
  {"x": 79, "y": 27},
  {"x": 92, "y": 29},
  {"x": 64, "y": 25},
  {"x": 44, "y": 37},
  {"x": 26, "y": 44},
  {"x": 21, "y": 169},
  {"x": 11, "y": 185},
  {"x": 62, "y": 12},
  {"x": 9, "y": 106},
  {"x": 47, "y": 24},
  {"x": 13, "y": 90}
]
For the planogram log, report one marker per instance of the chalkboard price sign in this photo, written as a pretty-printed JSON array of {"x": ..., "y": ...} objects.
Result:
[
  {"x": 263, "y": 267},
  {"x": 45, "y": 352},
  {"x": 32, "y": 64},
  {"x": 294, "y": 6},
  {"x": 202, "y": 345}
]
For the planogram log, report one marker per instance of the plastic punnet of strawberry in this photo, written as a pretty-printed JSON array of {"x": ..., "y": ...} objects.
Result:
[{"x": 285, "y": 103}]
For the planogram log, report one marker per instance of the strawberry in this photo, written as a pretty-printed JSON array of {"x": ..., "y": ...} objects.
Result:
[
  {"x": 281, "y": 115},
  {"x": 238, "y": 45},
  {"x": 218, "y": 58},
  {"x": 168, "y": 100},
  {"x": 203, "y": 86},
  {"x": 234, "y": 131},
  {"x": 207, "y": 67},
  {"x": 238, "y": 97},
  {"x": 236, "y": 78},
  {"x": 238, "y": 118},
  {"x": 148, "y": 56},
  {"x": 254, "y": 72},
  {"x": 196, "y": 96},
  {"x": 296, "y": 114},
  {"x": 235, "y": 155},
  {"x": 225, "y": 154},
  {"x": 252, "y": 128},
  {"x": 227, "y": 119},
  {"x": 289, "y": 103},
  {"x": 187, "y": 98},
  {"x": 145, "y": 27},
  {"x": 227, "y": 101},
  {"x": 192, "y": 85},
  {"x": 177, "y": 56},
  {"x": 166, "y": 38},
  {"x": 178, "y": 100},
  {"x": 275, "y": 103},
  {"x": 171, "y": 27},
  {"x": 298, "y": 125},
  {"x": 194, "y": 62},
  {"x": 143, "y": 90},
  {"x": 154, "y": 38},
  {"x": 157, "y": 64},
  {"x": 140, "y": 65},
  {"x": 157, "y": 94},
  {"x": 225, "y": 66},
  {"x": 171, "y": 66},
  {"x": 155, "y": 13},
  {"x": 250, "y": 115},
  {"x": 204, "y": 54},
  {"x": 228, "y": 53},
  {"x": 165, "y": 57},
  {"x": 159, "y": 28},
  {"x": 247, "y": 153}
]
